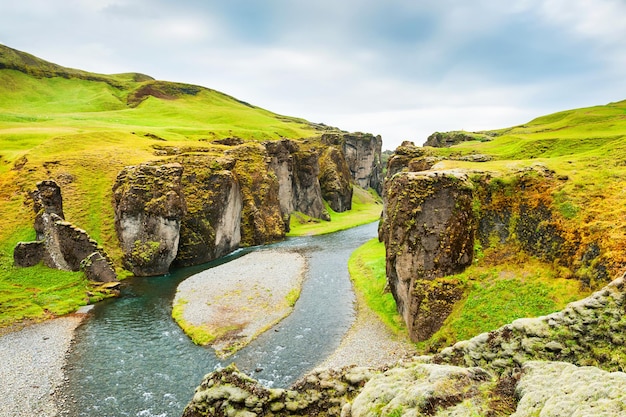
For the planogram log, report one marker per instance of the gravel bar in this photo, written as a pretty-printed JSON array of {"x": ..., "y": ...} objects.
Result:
[
  {"x": 240, "y": 299},
  {"x": 31, "y": 366}
]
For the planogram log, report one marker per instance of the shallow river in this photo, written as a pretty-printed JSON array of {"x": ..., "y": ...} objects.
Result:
[{"x": 131, "y": 359}]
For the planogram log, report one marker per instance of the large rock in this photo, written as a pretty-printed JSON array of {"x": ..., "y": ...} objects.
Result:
[
  {"x": 297, "y": 173},
  {"x": 362, "y": 153},
  {"x": 60, "y": 244},
  {"x": 47, "y": 200},
  {"x": 262, "y": 219},
  {"x": 211, "y": 227},
  {"x": 335, "y": 179},
  {"x": 149, "y": 206},
  {"x": 428, "y": 231}
]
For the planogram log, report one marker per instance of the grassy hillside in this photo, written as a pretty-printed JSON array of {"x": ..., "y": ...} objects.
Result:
[{"x": 80, "y": 129}]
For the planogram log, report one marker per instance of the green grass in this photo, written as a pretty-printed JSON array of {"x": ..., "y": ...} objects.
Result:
[
  {"x": 499, "y": 294},
  {"x": 198, "y": 334},
  {"x": 366, "y": 208},
  {"x": 367, "y": 271}
]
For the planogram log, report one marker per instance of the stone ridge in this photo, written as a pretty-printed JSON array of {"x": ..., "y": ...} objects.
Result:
[{"x": 60, "y": 244}]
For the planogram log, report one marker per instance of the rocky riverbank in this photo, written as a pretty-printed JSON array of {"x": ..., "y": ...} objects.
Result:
[{"x": 31, "y": 366}]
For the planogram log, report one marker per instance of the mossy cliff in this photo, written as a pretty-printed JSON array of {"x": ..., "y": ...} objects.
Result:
[
  {"x": 202, "y": 202},
  {"x": 428, "y": 230},
  {"x": 522, "y": 210}
]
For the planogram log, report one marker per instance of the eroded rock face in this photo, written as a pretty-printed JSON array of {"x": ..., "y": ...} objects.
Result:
[
  {"x": 362, "y": 153},
  {"x": 149, "y": 206},
  {"x": 60, "y": 244},
  {"x": 335, "y": 180},
  {"x": 428, "y": 231},
  {"x": 211, "y": 227},
  {"x": 297, "y": 173}
]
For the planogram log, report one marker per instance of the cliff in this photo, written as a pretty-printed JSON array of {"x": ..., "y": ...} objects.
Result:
[{"x": 363, "y": 154}]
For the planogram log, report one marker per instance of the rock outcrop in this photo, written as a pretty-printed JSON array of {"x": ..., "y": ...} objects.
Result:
[
  {"x": 297, "y": 173},
  {"x": 262, "y": 220},
  {"x": 60, "y": 244},
  {"x": 447, "y": 139},
  {"x": 211, "y": 226},
  {"x": 428, "y": 231},
  {"x": 362, "y": 153},
  {"x": 149, "y": 207},
  {"x": 335, "y": 180},
  {"x": 229, "y": 392}
]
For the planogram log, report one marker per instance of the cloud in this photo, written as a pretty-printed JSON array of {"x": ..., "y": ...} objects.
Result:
[{"x": 400, "y": 68}]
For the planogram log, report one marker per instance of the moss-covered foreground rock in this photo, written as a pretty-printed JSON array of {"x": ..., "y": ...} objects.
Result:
[{"x": 528, "y": 368}]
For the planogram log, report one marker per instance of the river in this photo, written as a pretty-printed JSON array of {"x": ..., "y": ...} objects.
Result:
[{"x": 131, "y": 359}]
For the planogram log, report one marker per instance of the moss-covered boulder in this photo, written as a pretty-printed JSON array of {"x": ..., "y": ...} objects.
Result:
[
  {"x": 428, "y": 231},
  {"x": 149, "y": 206}
]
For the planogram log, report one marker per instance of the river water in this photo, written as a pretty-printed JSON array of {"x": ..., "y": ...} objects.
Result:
[{"x": 131, "y": 359}]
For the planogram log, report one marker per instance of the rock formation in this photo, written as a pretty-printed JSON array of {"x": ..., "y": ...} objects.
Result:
[
  {"x": 211, "y": 227},
  {"x": 447, "y": 139},
  {"x": 428, "y": 233},
  {"x": 335, "y": 179},
  {"x": 60, "y": 244},
  {"x": 362, "y": 153},
  {"x": 297, "y": 173},
  {"x": 149, "y": 206}
]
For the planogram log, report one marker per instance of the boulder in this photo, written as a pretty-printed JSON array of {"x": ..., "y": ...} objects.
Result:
[
  {"x": 149, "y": 206},
  {"x": 428, "y": 231},
  {"x": 47, "y": 200}
]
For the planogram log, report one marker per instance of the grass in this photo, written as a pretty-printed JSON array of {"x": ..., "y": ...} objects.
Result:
[
  {"x": 366, "y": 208},
  {"x": 198, "y": 334},
  {"x": 367, "y": 271},
  {"x": 498, "y": 291}
]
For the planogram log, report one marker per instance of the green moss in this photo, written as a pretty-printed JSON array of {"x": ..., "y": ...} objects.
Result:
[{"x": 198, "y": 334}]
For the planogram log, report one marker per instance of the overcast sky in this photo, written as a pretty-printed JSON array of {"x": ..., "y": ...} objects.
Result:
[{"x": 399, "y": 68}]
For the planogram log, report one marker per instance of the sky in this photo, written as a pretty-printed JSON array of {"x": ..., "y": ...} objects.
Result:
[{"x": 399, "y": 68}]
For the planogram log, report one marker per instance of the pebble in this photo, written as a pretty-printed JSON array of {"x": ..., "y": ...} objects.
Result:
[{"x": 31, "y": 367}]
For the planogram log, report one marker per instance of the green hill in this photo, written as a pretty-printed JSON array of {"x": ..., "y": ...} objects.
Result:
[{"x": 81, "y": 128}]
